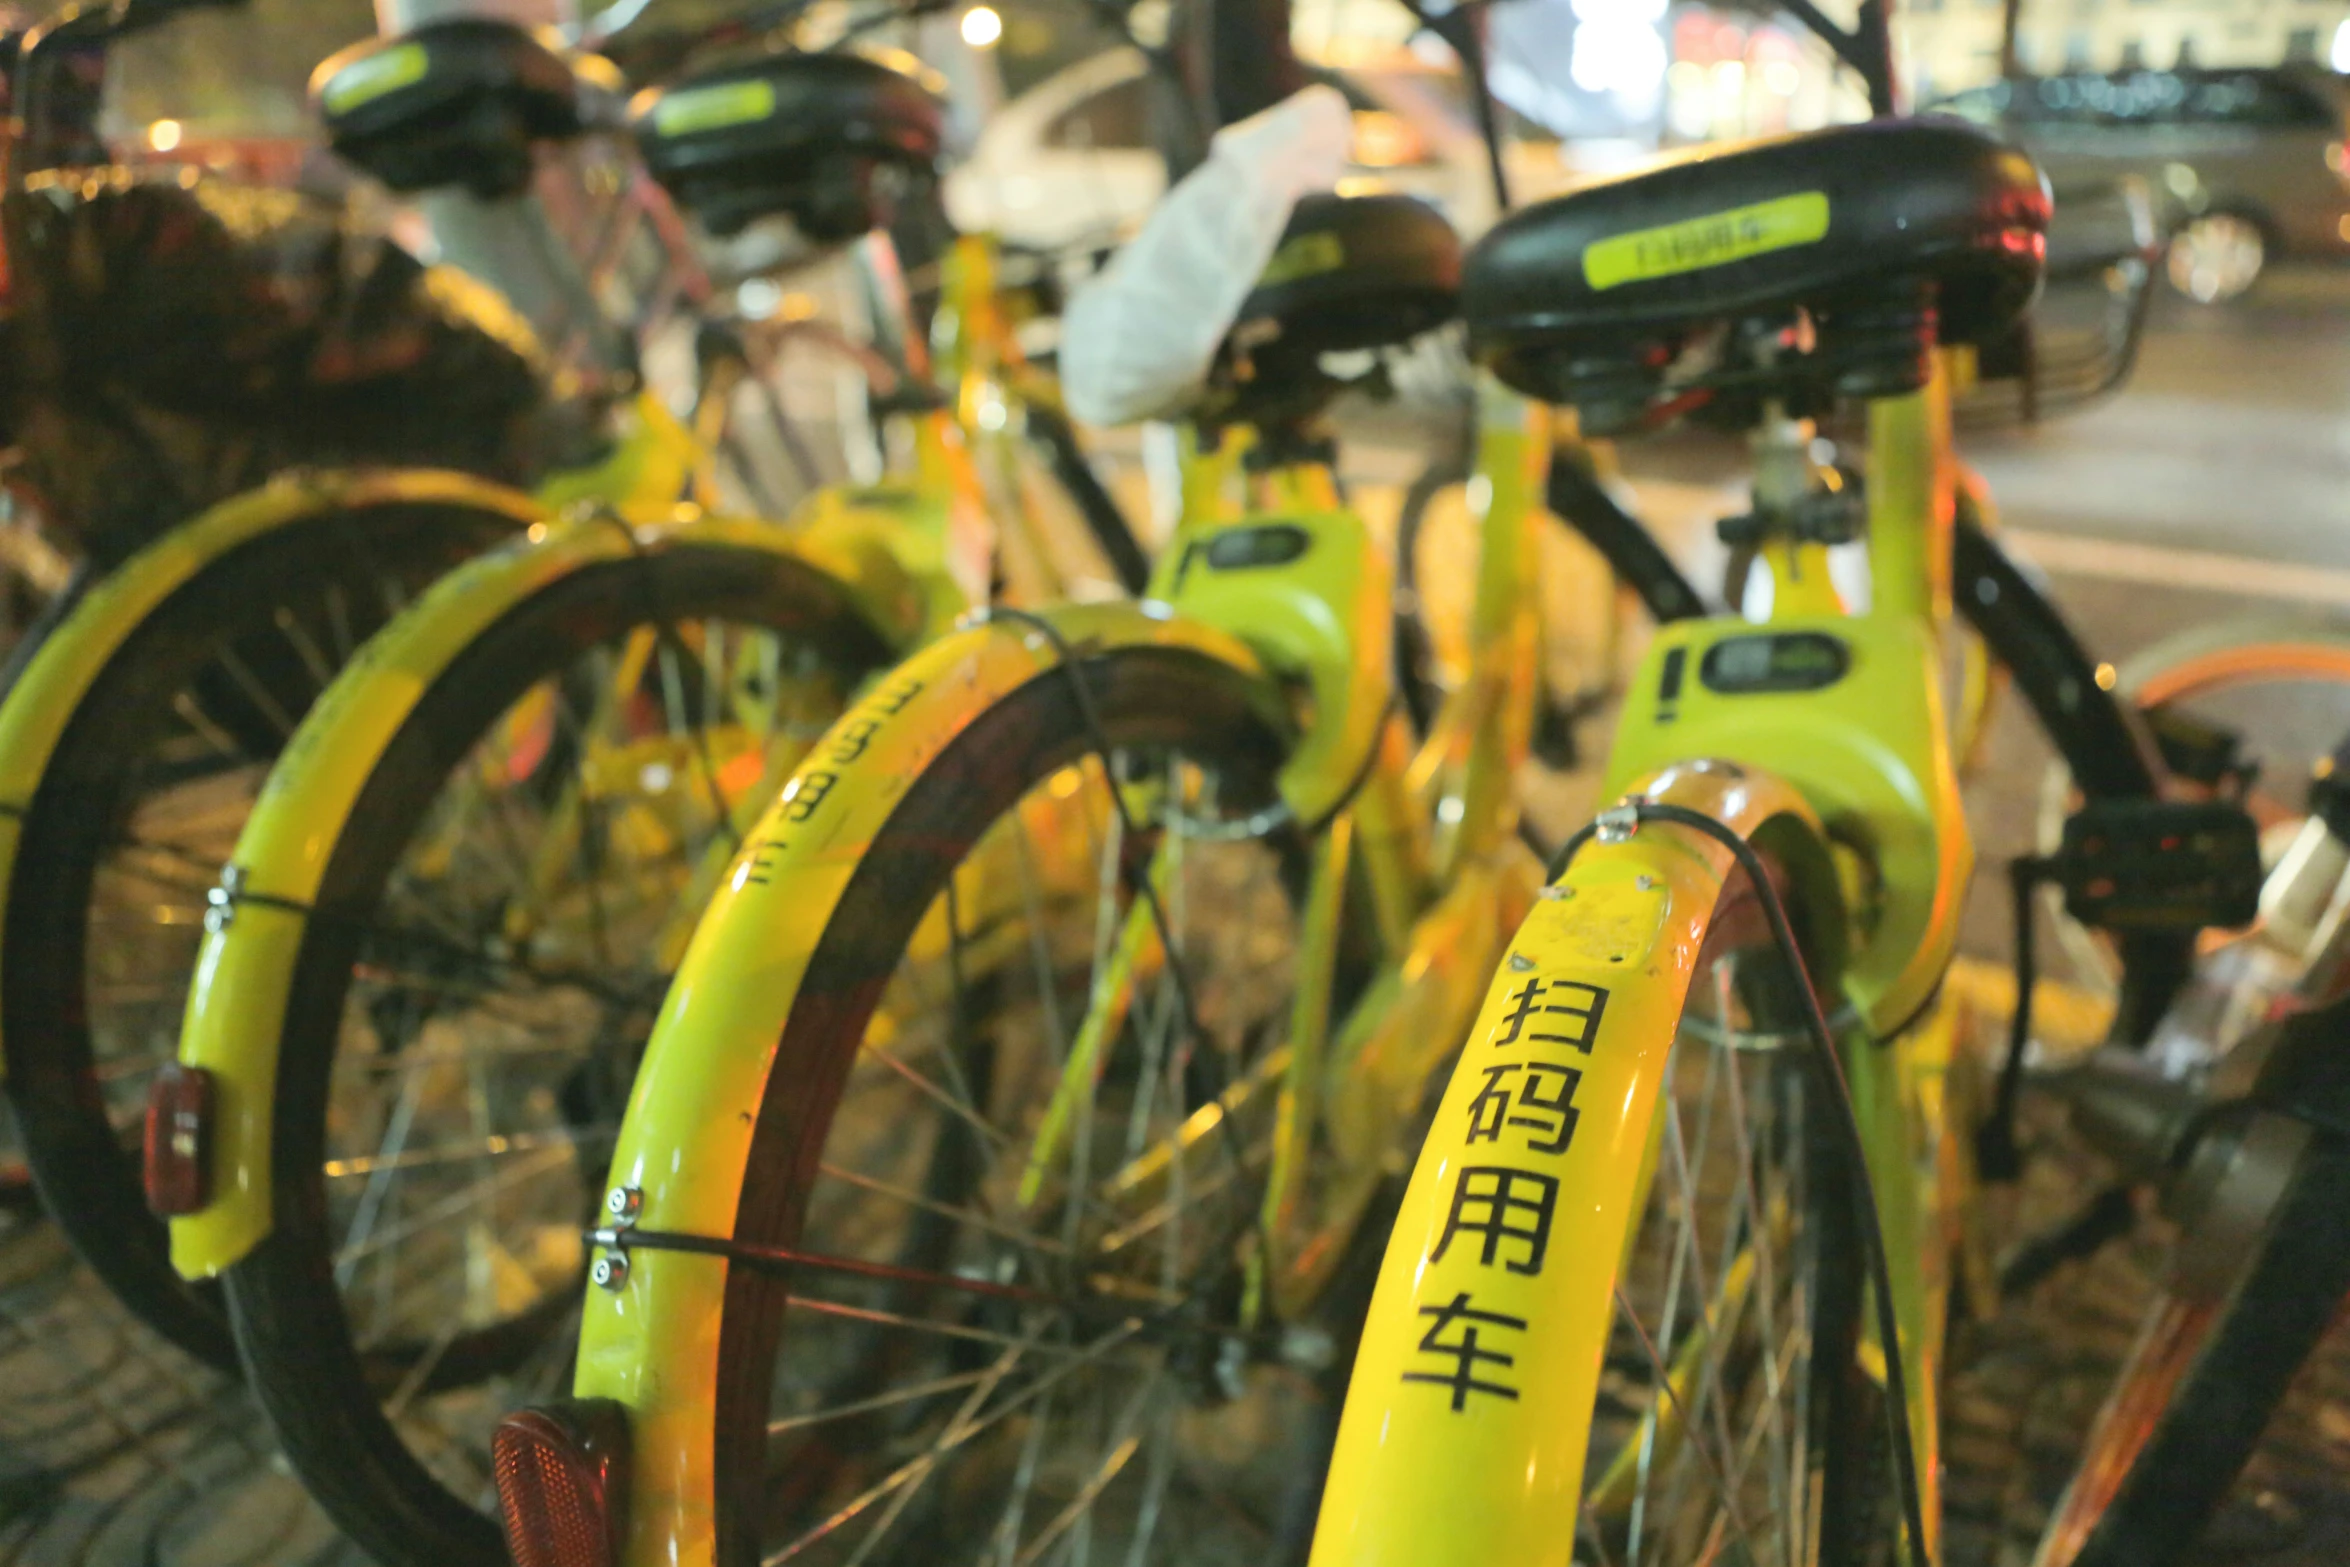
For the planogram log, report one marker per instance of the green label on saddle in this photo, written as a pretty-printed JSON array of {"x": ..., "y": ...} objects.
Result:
[
  {"x": 1308, "y": 255},
  {"x": 369, "y": 79},
  {"x": 1713, "y": 241},
  {"x": 713, "y": 108}
]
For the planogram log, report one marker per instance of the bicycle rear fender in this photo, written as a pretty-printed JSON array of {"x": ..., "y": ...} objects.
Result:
[
  {"x": 1463, "y": 1436},
  {"x": 652, "y": 1342},
  {"x": 40, "y": 704},
  {"x": 237, "y": 1004}
]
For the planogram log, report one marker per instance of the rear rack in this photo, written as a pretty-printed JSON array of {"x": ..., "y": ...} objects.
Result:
[{"x": 2081, "y": 339}]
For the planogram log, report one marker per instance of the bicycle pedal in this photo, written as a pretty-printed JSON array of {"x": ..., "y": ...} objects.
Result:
[{"x": 2139, "y": 865}]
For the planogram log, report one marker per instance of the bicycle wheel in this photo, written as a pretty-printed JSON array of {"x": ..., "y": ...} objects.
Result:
[
  {"x": 1043, "y": 1101},
  {"x": 1733, "y": 1410},
  {"x": 2208, "y": 1370},
  {"x": 131, "y": 823},
  {"x": 502, "y": 903}
]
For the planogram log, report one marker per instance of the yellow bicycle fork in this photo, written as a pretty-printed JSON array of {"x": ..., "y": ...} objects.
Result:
[{"x": 1464, "y": 1434}]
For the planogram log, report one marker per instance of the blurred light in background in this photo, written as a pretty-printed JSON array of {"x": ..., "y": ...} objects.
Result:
[
  {"x": 163, "y": 135},
  {"x": 982, "y": 27},
  {"x": 758, "y": 299},
  {"x": 1618, "y": 50},
  {"x": 2339, "y": 56},
  {"x": 1591, "y": 71},
  {"x": 1384, "y": 139},
  {"x": 1737, "y": 75}
]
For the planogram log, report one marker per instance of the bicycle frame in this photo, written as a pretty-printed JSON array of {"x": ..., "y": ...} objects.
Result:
[{"x": 1841, "y": 762}]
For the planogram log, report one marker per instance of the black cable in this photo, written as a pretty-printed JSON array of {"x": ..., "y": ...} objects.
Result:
[
  {"x": 1823, "y": 1038},
  {"x": 1998, "y": 1155},
  {"x": 1089, "y": 714}
]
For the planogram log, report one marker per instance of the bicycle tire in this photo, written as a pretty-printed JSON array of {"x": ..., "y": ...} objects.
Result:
[
  {"x": 2163, "y": 1480},
  {"x": 1150, "y": 698},
  {"x": 323, "y": 1392},
  {"x": 88, "y": 1179},
  {"x": 17, "y": 1191}
]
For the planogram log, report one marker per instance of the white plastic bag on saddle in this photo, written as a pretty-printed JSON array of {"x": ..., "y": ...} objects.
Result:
[{"x": 1138, "y": 339}]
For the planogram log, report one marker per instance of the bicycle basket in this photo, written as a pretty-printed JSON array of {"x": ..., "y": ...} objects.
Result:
[{"x": 2081, "y": 337}]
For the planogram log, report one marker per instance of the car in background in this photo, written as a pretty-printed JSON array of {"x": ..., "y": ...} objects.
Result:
[
  {"x": 1071, "y": 161},
  {"x": 2247, "y": 164}
]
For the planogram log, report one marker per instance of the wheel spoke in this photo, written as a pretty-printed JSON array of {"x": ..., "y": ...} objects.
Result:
[
  {"x": 986, "y": 1223},
  {"x": 489, "y": 1145},
  {"x": 865, "y": 1406},
  {"x": 528, "y": 1167},
  {"x": 1776, "y": 1475},
  {"x": 1683, "y": 1416},
  {"x": 258, "y": 694},
  {"x": 968, "y": 1422},
  {"x": 1112, "y": 1465},
  {"x": 1713, "y": 1310}
]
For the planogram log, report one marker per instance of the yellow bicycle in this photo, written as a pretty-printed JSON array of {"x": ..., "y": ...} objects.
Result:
[
  {"x": 1669, "y": 1282},
  {"x": 427, "y": 970},
  {"x": 1038, "y": 1074}
]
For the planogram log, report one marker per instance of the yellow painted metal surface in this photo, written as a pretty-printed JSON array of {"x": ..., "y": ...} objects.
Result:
[
  {"x": 1512, "y": 1231},
  {"x": 655, "y": 464},
  {"x": 43, "y": 700},
  {"x": 1399, "y": 1039},
  {"x": 1478, "y": 746},
  {"x": 1311, "y": 593},
  {"x": 1869, "y": 750},
  {"x": 1912, "y": 487},
  {"x": 236, "y": 1007},
  {"x": 653, "y": 1344}
]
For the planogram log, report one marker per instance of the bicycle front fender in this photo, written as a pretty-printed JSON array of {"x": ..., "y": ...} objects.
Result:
[
  {"x": 1470, "y": 1450},
  {"x": 652, "y": 1342},
  {"x": 245, "y": 969},
  {"x": 47, "y": 693}
]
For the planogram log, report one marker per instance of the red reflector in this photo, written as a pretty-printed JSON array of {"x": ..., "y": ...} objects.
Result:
[
  {"x": 179, "y": 1141},
  {"x": 562, "y": 1472}
]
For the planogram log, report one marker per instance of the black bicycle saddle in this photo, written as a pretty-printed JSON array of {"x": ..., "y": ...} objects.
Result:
[
  {"x": 456, "y": 104},
  {"x": 832, "y": 140},
  {"x": 1884, "y": 236}
]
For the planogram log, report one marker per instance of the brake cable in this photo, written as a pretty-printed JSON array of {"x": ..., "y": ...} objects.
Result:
[{"x": 1119, "y": 1303}]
